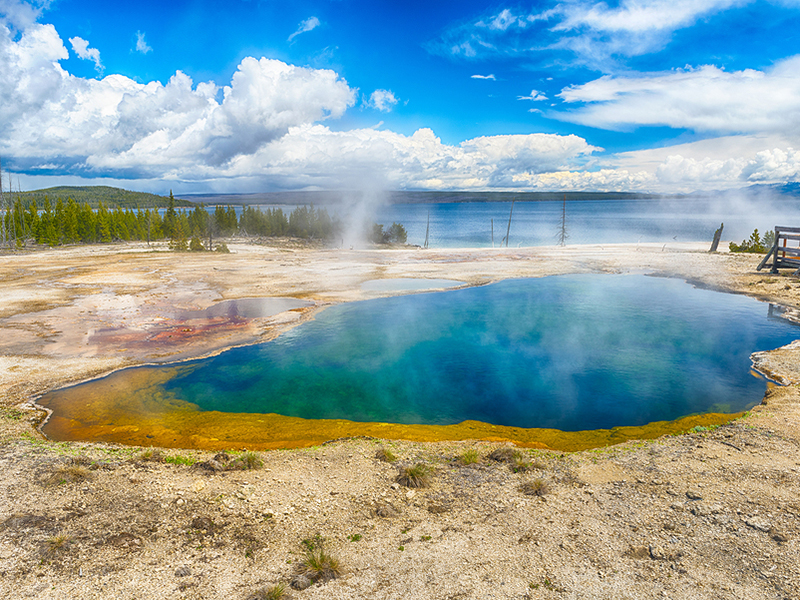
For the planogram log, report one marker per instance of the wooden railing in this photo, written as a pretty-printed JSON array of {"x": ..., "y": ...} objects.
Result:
[{"x": 783, "y": 256}]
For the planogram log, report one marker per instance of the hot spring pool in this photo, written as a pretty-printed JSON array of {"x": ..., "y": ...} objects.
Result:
[{"x": 573, "y": 352}]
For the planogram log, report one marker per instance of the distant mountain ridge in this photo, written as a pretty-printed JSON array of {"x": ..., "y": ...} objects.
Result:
[
  {"x": 92, "y": 195},
  {"x": 412, "y": 197}
]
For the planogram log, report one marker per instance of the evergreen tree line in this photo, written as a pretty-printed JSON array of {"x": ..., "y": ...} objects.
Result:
[{"x": 70, "y": 223}]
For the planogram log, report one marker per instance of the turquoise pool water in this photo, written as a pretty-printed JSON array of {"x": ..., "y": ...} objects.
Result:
[{"x": 567, "y": 352}]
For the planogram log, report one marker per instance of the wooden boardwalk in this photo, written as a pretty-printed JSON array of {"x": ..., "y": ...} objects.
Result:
[{"x": 782, "y": 254}]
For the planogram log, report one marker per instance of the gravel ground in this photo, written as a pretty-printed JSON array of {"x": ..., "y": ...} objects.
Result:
[{"x": 709, "y": 514}]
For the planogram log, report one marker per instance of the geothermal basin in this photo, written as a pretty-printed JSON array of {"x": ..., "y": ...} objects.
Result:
[{"x": 536, "y": 361}]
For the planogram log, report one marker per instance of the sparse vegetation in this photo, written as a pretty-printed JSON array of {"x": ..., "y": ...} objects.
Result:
[
  {"x": 756, "y": 244},
  {"x": 11, "y": 413},
  {"x": 537, "y": 487},
  {"x": 318, "y": 564},
  {"x": 354, "y": 537},
  {"x": 275, "y": 592},
  {"x": 469, "y": 457},
  {"x": 179, "y": 460},
  {"x": 385, "y": 455},
  {"x": 416, "y": 476},
  {"x": 703, "y": 429},
  {"x": 246, "y": 461},
  {"x": 57, "y": 544},
  {"x": 520, "y": 464},
  {"x": 150, "y": 455},
  {"x": 70, "y": 473},
  {"x": 506, "y": 454}
]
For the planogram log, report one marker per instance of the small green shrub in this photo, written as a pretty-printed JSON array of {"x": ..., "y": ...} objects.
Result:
[
  {"x": 222, "y": 248},
  {"x": 179, "y": 460},
  {"x": 196, "y": 245},
  {"x": 416, "y": 476},
  {"x": 537, "y": 487},
  {"x": 469, "y": 457},
  {"x": 355, "y": 537},
  {"x": 385, "y": 455}
]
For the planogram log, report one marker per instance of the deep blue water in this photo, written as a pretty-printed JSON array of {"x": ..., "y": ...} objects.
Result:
[{"x": 568, "y": 352}]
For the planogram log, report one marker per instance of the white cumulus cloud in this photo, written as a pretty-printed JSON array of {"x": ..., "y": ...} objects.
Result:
[
  {"x": 705, "y": 98},
  {"x": 116, "y": 124},
  {"x": 490, "y": 76},
  {"x": 382, "y": 100},
  {"x": 81, "y": 47}
]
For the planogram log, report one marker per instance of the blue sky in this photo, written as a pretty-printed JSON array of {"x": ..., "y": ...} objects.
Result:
[{"x": 248, "y": 95}]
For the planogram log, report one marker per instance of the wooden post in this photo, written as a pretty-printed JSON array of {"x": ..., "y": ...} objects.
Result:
[
  {"x": 427, "y": 229},
  {"x": 508, "y": 231},
  {"x": 717, "y": 236}
]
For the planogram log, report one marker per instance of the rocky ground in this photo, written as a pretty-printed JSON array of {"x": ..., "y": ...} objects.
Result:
[{"x": 708, "y": 514}]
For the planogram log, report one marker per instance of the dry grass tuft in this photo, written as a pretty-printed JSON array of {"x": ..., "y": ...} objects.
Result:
[
  {"x": 505, "y": 454},
  {"x": 275, "y": 592},
  {"x": 416, "y": 476},
  {"x": 318, "y": 564},
  {"x": 150, "y": 455},
  {"x": 385, "y": 455},
  {"x": 56, "y": 546},
  {"x": 68, "y": 474},
  {"x": 520, "y": 465},
  {"x": 247, "y": 461},
  {"x": 537, "y": 487}
]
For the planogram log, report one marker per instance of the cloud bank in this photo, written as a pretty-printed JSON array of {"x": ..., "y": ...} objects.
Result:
[
  {"x": 274, "y": 125},
  {"x": 265, "y": 127}
]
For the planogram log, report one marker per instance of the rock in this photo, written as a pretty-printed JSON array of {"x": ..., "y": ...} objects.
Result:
[
  {"x": 694, "y": 495},
  {"x": 780, "y": 536},
  {"x": 657, "y": 553},
  {"x": 759, "y": 523},
  {"x": 183, "y": 571},
  {"x": 386, "y": 510},
  {"x": 203, "y": 524},
  {"x": 638, "y": 552},
  {"x": 210, "y": 465},
  {"x": 301, "y": 582}
]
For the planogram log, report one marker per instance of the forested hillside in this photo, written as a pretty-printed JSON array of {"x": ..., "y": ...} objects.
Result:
[
  {"x": 69, "y": 222},
  {"x": 93, "y": 195}
]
